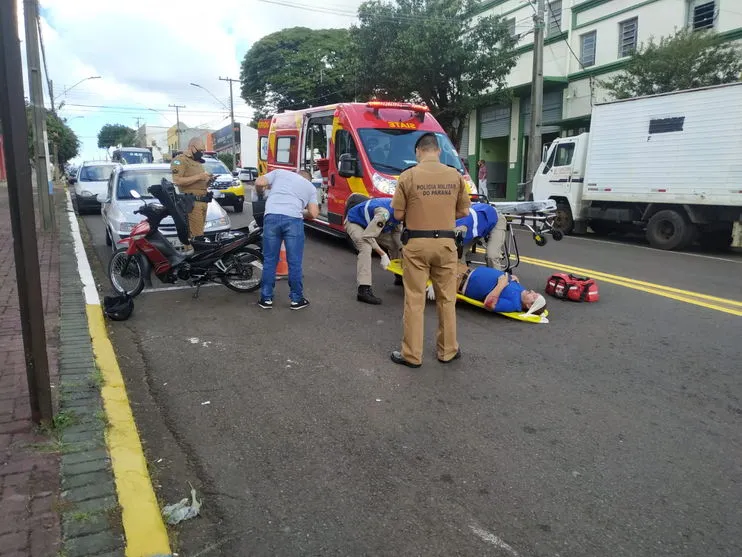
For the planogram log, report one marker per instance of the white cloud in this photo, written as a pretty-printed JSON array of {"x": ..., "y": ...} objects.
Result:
[{"x": 148, "y": 52}]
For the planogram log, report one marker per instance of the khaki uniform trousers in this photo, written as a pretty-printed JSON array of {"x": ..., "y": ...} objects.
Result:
[
  {"x": 197, "y": 219},
  {"x": 433, "y": 258},
  {"x": 495, "y": 256},
  {"x": 365, "y": 250}
]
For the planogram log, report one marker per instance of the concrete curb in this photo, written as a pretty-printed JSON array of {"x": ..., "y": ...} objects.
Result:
[{"x": 105, "y": 479}]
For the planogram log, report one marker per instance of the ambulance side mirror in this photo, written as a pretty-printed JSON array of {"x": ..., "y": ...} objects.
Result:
[{"x": 348, "y": 166}]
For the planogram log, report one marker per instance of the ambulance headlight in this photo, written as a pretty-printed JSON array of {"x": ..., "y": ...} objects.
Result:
[{"x": 383, "y": 184}]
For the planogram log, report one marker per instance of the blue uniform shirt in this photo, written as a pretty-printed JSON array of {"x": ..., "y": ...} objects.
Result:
[
  {"x": 363, "y": 213},
  {"x": 481, "y": 282},
  {"x": 480, "y": 221}
]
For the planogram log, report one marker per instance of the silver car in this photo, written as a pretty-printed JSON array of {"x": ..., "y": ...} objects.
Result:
[
  {"x": 90, "y": 181},
  {"x": 118, "y": 205}
]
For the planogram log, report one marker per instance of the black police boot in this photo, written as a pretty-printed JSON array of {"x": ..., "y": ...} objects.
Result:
[{"x": 366, "y": 296}]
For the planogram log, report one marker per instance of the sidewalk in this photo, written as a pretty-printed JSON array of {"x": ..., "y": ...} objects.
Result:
[
  {"x": 57, "y": 494},
  {"x": 29, "y": 469}
]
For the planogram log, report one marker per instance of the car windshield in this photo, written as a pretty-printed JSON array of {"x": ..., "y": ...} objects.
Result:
[
  {"x": 214, "y": 166},
  {"x": 97, "y": 173},
  {"x": 392, "y": 151},
  {"x": 140, "y": 181},
  {"x": 136, "y": 157}
]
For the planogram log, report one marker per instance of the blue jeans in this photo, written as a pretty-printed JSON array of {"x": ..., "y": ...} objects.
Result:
[{"x": 290, "y": 231}]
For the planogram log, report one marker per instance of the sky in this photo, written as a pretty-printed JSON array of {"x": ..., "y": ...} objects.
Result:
[{"x": 148, "y": 52}]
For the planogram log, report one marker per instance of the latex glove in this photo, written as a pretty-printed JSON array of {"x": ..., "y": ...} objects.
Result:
[
  {"x": 430, "y": 292},
  {"x": 385, "y": 261}
]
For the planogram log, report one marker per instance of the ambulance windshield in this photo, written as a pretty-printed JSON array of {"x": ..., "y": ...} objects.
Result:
[{"x": 392, "y": 151}]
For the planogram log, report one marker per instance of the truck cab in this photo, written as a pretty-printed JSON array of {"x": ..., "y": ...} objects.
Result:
[
  {"x": 350, "y": 148},
  {"x": 560, "y": 177}
]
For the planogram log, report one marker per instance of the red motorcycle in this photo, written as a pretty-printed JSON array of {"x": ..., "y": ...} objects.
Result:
[{"x": 231, "y": 258}]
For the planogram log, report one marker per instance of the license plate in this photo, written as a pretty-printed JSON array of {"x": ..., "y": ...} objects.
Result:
[{"x": 218, "y": 195}]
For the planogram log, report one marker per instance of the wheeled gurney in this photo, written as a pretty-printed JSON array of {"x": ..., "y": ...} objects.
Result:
[{"x": 535, "y": 216}]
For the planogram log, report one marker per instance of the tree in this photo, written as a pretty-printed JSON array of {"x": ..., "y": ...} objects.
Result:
[
  {"x": 113, "y": 135},
  {"x": 685, "y": 60},
  {"x": 227, "y": 159},
  {"x": 436, "y": 52},
  {"x": 59, "y": 133},
  {"x": 298, "y": 68}
]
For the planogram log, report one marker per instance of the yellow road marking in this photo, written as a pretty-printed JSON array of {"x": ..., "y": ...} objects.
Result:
[
  {"x": 145, "y": 531},
  {"x": 689, "y": 297}
]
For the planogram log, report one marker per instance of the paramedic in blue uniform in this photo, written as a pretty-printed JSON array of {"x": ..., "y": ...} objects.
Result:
[
  {"x": 484, "y": 221},
  {"x": 371, "y": 225},
  {"x": 499, "y": 291}
]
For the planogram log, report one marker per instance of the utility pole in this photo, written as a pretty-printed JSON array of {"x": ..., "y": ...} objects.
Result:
[
  {"x": 177, "y": 108},
  {"x": 537, "y": 98},
  {"x": 41, "y": 142},
  {"x": 22, "y": 217},
  {"x": 138, "y": 118},
  {"x": 231, "y": 115}
]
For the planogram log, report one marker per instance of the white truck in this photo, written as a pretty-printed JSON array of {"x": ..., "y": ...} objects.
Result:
[{"x": 670, "y": 164}]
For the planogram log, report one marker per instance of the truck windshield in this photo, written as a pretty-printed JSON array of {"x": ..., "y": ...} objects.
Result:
[
  {"x": 136, "y": 157},
  {"x": 392, "y": 151},
  {"x": 140, "y": 181}
]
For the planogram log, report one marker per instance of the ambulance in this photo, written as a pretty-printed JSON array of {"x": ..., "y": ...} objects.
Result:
[{"x": 350, "y": 148}]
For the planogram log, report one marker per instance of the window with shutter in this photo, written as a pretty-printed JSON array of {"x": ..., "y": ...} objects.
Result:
[
  {"x": 627, "y": 31},
  {"x": 587, "y": 49},
  {"x": 555, "y": 18}
]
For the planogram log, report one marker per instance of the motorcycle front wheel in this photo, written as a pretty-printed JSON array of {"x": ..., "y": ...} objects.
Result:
[
  {"x": 244, "y": 271},
  {"x": 125, "y": 273}
]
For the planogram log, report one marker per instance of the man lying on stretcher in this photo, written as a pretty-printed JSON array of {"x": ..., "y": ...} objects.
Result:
[{"x": 497, "y": 290}]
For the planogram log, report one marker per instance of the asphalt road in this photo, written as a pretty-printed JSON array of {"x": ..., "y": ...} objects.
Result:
[{"x": 612, "y": 430}]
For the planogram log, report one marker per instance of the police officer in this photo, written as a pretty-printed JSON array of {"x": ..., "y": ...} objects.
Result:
[
  {"x": 190, "y": 177},
  {"x": 371, "y": 225},
  {"x": 485, "y": 222},
  {"x": 428, "y": 199}
]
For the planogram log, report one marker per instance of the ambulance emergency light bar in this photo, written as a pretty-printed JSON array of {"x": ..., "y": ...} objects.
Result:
[{"x": 418, "y": 109}]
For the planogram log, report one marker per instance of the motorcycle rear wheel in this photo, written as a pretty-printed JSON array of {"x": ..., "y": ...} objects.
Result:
[
  {"x": 244, "y": 271},
  {"x": 132, "y": 282}
]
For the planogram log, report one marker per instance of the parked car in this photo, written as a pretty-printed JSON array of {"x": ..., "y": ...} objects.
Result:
[
  {"x": 91, "y": 180},
  {"x": 247, "y": 174},
  {"x": 118, "y": 205},
  {"x": 227, "y": 189}
]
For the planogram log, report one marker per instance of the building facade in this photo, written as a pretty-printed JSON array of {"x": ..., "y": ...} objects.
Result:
[
  {"x": 586, "y": 41},
  {"x": 155, "y": 137}
]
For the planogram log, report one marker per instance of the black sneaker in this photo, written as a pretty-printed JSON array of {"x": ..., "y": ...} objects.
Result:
[
  {"x": 300, "y": 304},
  {"x": 266, "y": 304}
]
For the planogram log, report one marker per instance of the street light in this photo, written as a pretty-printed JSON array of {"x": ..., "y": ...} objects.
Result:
[
  {"x": 231, "y": 114},
  {"x": 67, "y": 90}
]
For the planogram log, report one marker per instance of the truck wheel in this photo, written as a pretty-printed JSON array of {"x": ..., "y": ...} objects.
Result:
[
  {"x": 564, "y": 220},
  {"x": 669, "y": 230}
]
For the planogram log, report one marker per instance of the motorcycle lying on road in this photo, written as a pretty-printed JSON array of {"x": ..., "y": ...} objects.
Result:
[{"x": 232, "y": 258}]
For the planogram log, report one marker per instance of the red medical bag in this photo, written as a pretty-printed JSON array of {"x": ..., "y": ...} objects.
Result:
[{"x": 571, "y": 287}]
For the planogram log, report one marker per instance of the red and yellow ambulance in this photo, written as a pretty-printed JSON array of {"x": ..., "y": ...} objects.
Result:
[{"x": 350, "y": 148}]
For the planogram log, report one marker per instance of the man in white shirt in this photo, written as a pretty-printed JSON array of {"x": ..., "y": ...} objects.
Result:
[{"x": 292, "y": 198}]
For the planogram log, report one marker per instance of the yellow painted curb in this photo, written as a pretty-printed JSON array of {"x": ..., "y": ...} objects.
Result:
[{"x": 144, "y": 528}]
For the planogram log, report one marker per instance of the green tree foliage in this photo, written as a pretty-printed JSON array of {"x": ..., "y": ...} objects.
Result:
[
  {"x": 227, "y": 159},
  {"x": 58, "y": 132},
  {"x": 297, "y": 68},
  {"x": 433, "y": 51},
  {"x": 685, "y": 60},
  {"x": 113, "y": 135}
]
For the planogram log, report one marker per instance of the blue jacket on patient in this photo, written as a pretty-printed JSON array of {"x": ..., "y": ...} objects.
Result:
[{"x": 481, "y": 282}]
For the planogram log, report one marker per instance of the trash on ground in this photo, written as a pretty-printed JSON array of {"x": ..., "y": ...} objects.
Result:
[
  {"x": 180, "y": 511},
  {"x": 204, "y": 403}
]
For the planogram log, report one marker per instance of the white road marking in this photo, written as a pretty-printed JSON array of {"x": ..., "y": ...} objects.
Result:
[
  {"x": 702, "y": 256},
  {"x": 193, "y": 340},
  {"x": 83, "y": 266},
  {"x": 492, "y": 539}
]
